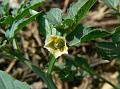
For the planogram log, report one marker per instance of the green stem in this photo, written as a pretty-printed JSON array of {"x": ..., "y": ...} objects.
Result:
[
  {"x": 51, "y": 64},
  {"x": 44, "y": 76},
  {"x": 105, "y": 80},
  {"x": 15, "y": 44},
  {"x": 92, "y": 73},
  {"x": 47, "y": 79},
  {"x": 100, "y": 77}
]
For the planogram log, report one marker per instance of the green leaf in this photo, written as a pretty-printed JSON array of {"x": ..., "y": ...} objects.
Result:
[
  {"x": 54, "y": 16},
  {"x": 45, "y": 27},
  {"x": 5, "y": 2},
  {"x": 3, "y": 43},
  {"x": 7, "y": 82},
  {"x": 7, "y": 20},
  {"x": 4, "y": 8},
  {"x": 112, "y": 3},
  {"x": 79, "y": 62},
  {"x": 116, "y": 30},
  {"x": 35, "y": 3},
  {"x": 52, "y": 61},
  {"x": 16, "y": 54},
  {"x": 66, "y": 74},
  {"x": 78, "y": 10},
  {"x": 83, "y": 33},
  {"x": 24, "y": 9},
  {"x": 82, "y": 63},
  {"x": 108, "y": 50},
  {"x": 74, "y": 36},
  {"x": 91, "y": 34},
  {"x": 71, "y": 65},
  {"x": 75, "y": 7},
  {"x": 116, "y": 35},
  {"x": 81, "y": 13},
  {"x": 17, "y": 25}
]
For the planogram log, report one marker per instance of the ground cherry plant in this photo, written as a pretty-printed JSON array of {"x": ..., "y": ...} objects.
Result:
[{"x": 61, "y": 32}]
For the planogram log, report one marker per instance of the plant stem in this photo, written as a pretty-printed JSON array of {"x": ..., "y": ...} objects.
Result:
[
  {"x": 47, "y": 79},
  {"x": 105, "y": 80},
  {"x": 51, "y": 64},
  {"x": 100, "y": 77},
  {"x": 44, "y": 76},
  {"x": 15, "y": 44}
]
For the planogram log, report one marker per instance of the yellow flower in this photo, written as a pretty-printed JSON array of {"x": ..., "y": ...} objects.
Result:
[{"x": 56, "y": 45}]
